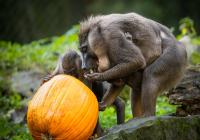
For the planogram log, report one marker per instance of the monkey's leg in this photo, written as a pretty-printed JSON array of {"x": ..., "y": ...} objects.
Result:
[
  {"x": 110, "y": 96},
  {"x": 148, "y": 96},
  {"x": 153, "y": 81},
  {"x": 135, "y": 82},
  {"x": 98, "y": 129},
  {"x": 120, "y": 109},
  {"x": 136, "y": 105},
  {"x": 162, "y": 74}
]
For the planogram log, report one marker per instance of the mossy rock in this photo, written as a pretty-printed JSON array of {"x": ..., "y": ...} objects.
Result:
[{"x": 157, "y": 128}]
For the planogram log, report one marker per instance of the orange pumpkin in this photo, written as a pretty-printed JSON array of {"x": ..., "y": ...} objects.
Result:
[{"x": 62, "y": 109}]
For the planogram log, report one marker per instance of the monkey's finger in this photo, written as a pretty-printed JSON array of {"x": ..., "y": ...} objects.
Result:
[
  {"x": 85, "y": 76},
  {"x": 90, "y": 76},
  {"x": 102, "y": 108},
  {"x": 48, "y": 77},
  {"x": 45, "y": 79}
]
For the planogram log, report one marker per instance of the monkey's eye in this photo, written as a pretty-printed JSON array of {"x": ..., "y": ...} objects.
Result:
[{"x": 84, "y": 49}]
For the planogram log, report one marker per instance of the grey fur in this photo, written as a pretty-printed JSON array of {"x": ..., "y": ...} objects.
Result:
[{"x": 153, "y": 54}]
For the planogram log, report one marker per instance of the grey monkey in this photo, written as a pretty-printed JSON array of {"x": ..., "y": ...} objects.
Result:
[{"x": 149, "y": 58}]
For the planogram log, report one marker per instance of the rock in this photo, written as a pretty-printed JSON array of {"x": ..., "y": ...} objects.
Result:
[
  {"x": 18, "y": 115},
  {"x": 157, "y": 128},
  {"x": 187, "y": 94},
  {"x": 26, "y": 82}
]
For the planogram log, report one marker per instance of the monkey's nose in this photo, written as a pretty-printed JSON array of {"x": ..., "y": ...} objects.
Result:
[{"x": 83, "y": 67}]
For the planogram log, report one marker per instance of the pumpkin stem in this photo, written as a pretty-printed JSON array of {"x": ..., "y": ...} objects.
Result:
[{"x": 46, "y": 137}]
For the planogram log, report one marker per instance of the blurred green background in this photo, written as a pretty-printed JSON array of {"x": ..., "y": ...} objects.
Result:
[
  {"x": 27, "y": 20},
  {"x": 34, "y": 33}
]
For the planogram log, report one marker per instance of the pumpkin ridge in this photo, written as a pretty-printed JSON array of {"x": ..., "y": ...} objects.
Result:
[
  {"x": 90, "y": 106},
  {"x": 54, "y": 84},
  {"x": 95, "y": 121},
  {"x": 57, "y": 106},
  {"x": 44, "y": 112},
  {"x": 86, "y": 114},
  {"x": 97, "y": 112},
  {"x": 57, "y": 110},
  {"x": 81, "y": 114},
  {"x": 34, "y": 101},
  {"x": 75, "y": 118},
  {"x": 35, "y": 135}
]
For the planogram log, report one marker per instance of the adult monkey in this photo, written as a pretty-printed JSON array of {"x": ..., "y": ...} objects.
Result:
[{"x": 151, "y": 62}]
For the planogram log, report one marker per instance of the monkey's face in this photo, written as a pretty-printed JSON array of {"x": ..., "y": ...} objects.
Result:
[
  {"x": 89, "y": 59},
  {"x": 71, "y": 64}
]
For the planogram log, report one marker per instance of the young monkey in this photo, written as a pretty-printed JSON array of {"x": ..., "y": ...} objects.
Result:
[{"x": 70, "y": 63}]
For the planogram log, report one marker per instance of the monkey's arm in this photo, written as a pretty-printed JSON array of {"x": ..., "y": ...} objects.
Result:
[
  {"x": 118, "y": 71},
  {"x": 135, "y": 62},
  {"x": 58, "y": 70},
  {"x": 110, "y": 96}
]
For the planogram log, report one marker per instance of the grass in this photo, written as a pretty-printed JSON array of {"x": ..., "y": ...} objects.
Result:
[{"x": 108, "y": 117}]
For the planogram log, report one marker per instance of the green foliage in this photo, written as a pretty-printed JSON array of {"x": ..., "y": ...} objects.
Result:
[
  {"x": 196, "y": 40},
  {"x": 108, "y": 117},
  {"x": 9, "y": 101},
  {"x": 187, "y": 29},
  {"x": 195, "y": 58},
  {"x": 42, "y": 53},
  {"x": 163, "y": 107},
  {"x": 11, "y": 131}
]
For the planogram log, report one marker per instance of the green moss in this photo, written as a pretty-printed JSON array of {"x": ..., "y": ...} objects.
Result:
[{"x": 108, "y": 117}]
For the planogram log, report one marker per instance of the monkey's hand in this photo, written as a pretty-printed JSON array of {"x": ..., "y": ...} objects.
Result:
[
  {"x": 91, "y": 138},
  {"x": 94, "y": 76},
  {"x": 102, "y": 106},
  {"x": 46, "y": 78}
]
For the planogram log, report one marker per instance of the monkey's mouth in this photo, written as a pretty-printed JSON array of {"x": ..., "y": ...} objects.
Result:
[{"x": 90, "y": 71}]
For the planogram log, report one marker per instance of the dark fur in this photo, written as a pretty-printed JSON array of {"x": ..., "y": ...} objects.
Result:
[{"x": 153, "y": 57}]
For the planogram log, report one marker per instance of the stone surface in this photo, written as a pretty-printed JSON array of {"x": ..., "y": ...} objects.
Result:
[
  {"x": 157, "y": 128},
  {"x": 26, "y": 82},
  {"x": 18, "y": 115}
]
